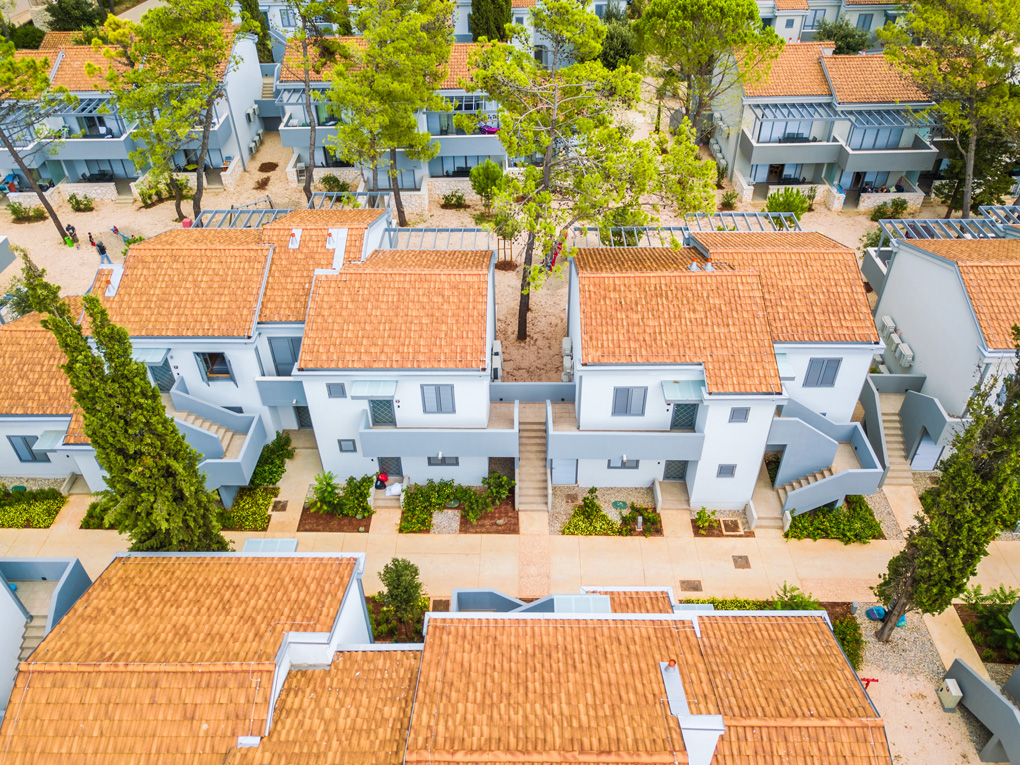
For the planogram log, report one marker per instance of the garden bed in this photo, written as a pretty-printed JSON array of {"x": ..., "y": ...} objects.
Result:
[
  {"x": 250, "y": 511},
  {"x": 989, "y": 653},
  {"x": 592, "y": 519},
  {"x": 722, "y": 528},
  {"x": 31, "y": 509},
  {"x": 384, "y": 631},
  {"x": 853, "y": 521},
  {"x": 347, "y": 524},
  {"x": 502, "y": 519}
]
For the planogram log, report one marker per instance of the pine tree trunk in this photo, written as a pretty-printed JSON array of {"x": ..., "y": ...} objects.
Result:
[
  {"x": 395, "y": 185},
  {"x": 885, "y": 632},
  {"x": 175, "y": 187},
  {"x": 310, "y": 167},
  {"x": 3, "y": 22},
  {"x": 33, "y": 183},
  {"x": 210, "y": 115},
  {"x": 968, "y": 179},
  {"x": 525, "y": 304}
]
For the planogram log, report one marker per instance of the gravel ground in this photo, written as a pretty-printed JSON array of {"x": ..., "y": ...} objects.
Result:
[
  {"x": 566, "y": 498},
  {"x": 446, "y": 522},
  {"x": 1000, "y": 673},
  {"x": 924, "y": 480},
  {"x": 31, "y": 483},
  {"x": 884, "y": 515},
  {"x": 910, "y": 652}
]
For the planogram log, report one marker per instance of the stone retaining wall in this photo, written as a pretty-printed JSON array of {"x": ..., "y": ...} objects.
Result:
[
  {"x": 104, "y": 191},
  {"x": 831, "y": 197},
  {"x": 232, "y": 174},
  {"x": 440, "y": 186},
  {"x": 743, "y": 187},
  {"x": 872, "y": 200},
  {"x": 30, "y": 198}
]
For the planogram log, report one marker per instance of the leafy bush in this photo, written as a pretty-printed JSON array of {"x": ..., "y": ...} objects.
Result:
[
  {"x": 732, "y": 604},
  {"x": 485, "y": 180},
  {"x": 848, "y": 635},
  {"x": 272, "y": 462},
  {"x": 704, "y": 520},
  {"x": 992, "y": 627},
  {"x": 34, "y": 509},
  {"x": 326, "y": 494},
  {"x": 420, "y": 502},
  {"x": 454, "y": 199},
  {"x": 154, "y": 191},
  {"x": 250, "y": 511},
  {"x": 83, "y": 203},
  {"x": 720, "y": 174},
  {"x": 729, "y": 200},
  {"x": 787, "y": 200},
  {"x": 95, "y": 516},
  {"x": 22, "y": 213},
  {"x": 652, "y": 522},
  {"x": 810, "y": 195},
  {"x": 497, "y": 487},
  {"x": 27, "y": 36},
  {"x": 871, "y": 239},
  {"x": 72, "y": 15},
  {"x": 331, "y": 183},
  {"x": 853, "y": 522},
  {"x": 354, "y": 501},
  {"x": 895, "y": 208},
  {"x": 792, "y": 598},
  {"x": 590, "y": 520},
  {"x": 404, "y": 595}
]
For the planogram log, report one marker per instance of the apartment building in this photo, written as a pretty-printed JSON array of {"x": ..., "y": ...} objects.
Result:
[{"x": 797, "y": 20}]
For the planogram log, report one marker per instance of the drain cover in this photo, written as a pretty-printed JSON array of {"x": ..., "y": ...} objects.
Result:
[{"x": 619, "y": 505}]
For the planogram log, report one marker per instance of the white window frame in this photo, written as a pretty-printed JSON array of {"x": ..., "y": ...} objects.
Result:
[
  {"x": 444, "y": 461},
  {"x": 437, "y": 404},
  {"x": 336, "y": 390},
  {"x": 621, "y": 465},
  {"x": 630, "y": 400},
  {"x": 726, "y": 471},
  {"x": 740, "y": 414}
]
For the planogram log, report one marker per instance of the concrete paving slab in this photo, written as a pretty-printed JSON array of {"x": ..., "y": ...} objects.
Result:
[
  {"x": 994, "y": 569},
  {"x": 533, "y": 522},
  {"x": 617, "y": 558},
  {"x": 564, "y": 563},
  {"x": 467, "y": 544},
  {"x": 386, "y": 520},
  {"x": 677, "y": 523},
  {"x": 534, "y": 572},
  {"x": 655, "y": 561},
  {"x": 904, "y": 504},
  {"x": 952, "y": 641}
]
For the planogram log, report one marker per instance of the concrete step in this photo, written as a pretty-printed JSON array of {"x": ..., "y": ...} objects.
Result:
[{"x": 769, "y": 523}]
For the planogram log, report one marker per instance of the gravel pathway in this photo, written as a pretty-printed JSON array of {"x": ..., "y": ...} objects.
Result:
[
  {"x": 446, "y": 522},
  {"x": 909, "y": 652},
  {"x": 924, "y": 480},
  {"x": 566, "y": 498},
  {"x": 884, "y": 515}
]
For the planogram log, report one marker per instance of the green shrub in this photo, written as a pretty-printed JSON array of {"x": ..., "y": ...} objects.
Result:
[
  {"x": 154, "y": 191},
  {"x": 497, "y": 487},
  {"x": 95, "y": 516},
  {"x": 810, "y": 195},
  {"x": 454, "y": 199},
  {"x": 83, "y": 203},
  {"x": 720, "y": 174},
  {"x": 628, "y": 521},
  {"x": 853, "y": 522},
  {"x": 473, "y": 504},
  {"x": 791, "y": 598},
  {"x": 34, "y": 509},
  {"x": 421, "y": 501},
  {"x": 331, "y": 183},
  {"x": 787, "y": 200},
  {"x": 22, "y": 213},
  {"x": 272, "y": 462},
  {"x": 27, "y": 36},
  {"x": 992, "y": 627},
  {"x": 354, "y": 501},
  {"x": 729, "y": 200},
  {"x": 848, "y": 635},
  {"x": 704, "y": 520},
  {"x": 250, "y": 511},
  {"x": 485, "y": 180},
  {"x": 590, "y": 520},
  {"x": 732, "y": 604},
  {"x": 871, "y": 239},
  {"x": 895, "y": 208},
  {"x": 326, "y": 494}
]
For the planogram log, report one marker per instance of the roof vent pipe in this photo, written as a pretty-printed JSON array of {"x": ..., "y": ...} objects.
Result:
[
  {"x": 693, "y": 267},
  {"x": 701, "y": 732}
]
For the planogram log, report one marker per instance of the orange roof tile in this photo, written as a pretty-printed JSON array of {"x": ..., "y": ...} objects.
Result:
[
  {"x": 291, "y": 270},
  {"x": 796, "y": 72},
  {"x": 637, "y": 601},
  {"x": 53, "y": 40},
  {"x": 972, "y": 250},
  {"x": 385, "y": 316},
  {"x": 523, "y": 3},
  {"x": 121, "y": 715},
  {"x": 869, "y": 79},
  {"x": 76, "y": 430},
  {"x": 293, "y": 69},
  {"x": 191, "y": 283},
  {"x": 994, "y": 291},
  {"x": 31, "y": 378},
  {"x": 681, "y": 317},
  {"x": 223, "y": 609},
  {"x": 791, "y": 5},
  {"x": 618, "y": 260},
  {"x": 71, "y": 74},
  {"x": 364, "y": 702},
  {"x": 815, "y": 295}
]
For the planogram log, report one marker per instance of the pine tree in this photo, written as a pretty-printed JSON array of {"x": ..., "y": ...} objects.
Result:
[
  {"x": 156, "y": 493},
  {"x": 264, "y": 45},
  {"x": 977, "y": 496},
  {"x": 489, "y": 19}
]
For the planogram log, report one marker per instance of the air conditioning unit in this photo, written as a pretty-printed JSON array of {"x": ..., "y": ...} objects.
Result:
[
  {"x": 568, "y": 349},
  {"x": 497, "y": 360},
  {"x": 252, "y": 147},
  {"x": 255, "y": 110},
  {"x": 565, "y": 377},
  {"x": 260, "y": 135},
  {"x": 895, "y": 341},
  {"x": 905, "y": 355},
  {"x": 887, "y": 327},
  {"x": 568, "y": 363},
  {"x": 250, "y": 115}
]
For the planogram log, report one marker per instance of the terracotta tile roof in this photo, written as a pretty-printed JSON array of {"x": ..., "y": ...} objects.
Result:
[
  {"x": 618, "y": 260},
  {"x": 71, "y": 74},
  {"x": 122, "y": 715},
  {"x": 293, "y": 71},
  {"x": 791, "y": 5},
  {"x": 637, "y": 601},
  {"x": 681, "y": 317},
  {"x": 428, "y": 260},
  {"x": 871, "y": 2},
  {"x": 53, "y": 40},
  {"x": 797, "y": 72},
  {"x": 523, "y": 3},
  {"x": 972, "y": 250},
  {"x": 291, "y": 270},
  {"x": 389, "y": 317},
  {"x": 223, "y": 609},
  {"x": 31, "y": 380},
  {"x": 869, "y": 79},
  {"x": 816, "y": 295},
  {"x": 191, "y": 283},
  {"x": 76, "y": 430},
  {"x": 994, "y": 291},
  {"x": 355, "y": 712}
]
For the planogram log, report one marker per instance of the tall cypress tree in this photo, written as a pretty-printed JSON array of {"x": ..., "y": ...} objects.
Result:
[
  {"x": 489, "y": 19},
  {"x": 264, "y": 44},
  {"x": 156, "y": 493}
]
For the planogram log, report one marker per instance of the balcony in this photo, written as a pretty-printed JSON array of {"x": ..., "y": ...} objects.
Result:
[
  {"x": 920, "y": 156},
  {"x": 94, "y": 147},
  {"x": 565, "y": 441},
  {"x": 499, "y": 438},
  {"x": 808, "y": 152}
]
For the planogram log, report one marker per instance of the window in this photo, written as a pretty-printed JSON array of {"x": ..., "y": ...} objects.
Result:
[
  {"x": 739, "y": 413},
  {"x": 444, "y": 461},
  {"x": 726, "y": 471},
  {"x": 789, "y": 23},
  {"x": 236, "y": 409},
  {"x": 813, "y": 19},
  {"x": 23, "y": 448},
  {"x": 336, "y": 390},
  {"x": 766, "y": 23},
  {"x": 287, "y": 18},
  {"x": 347, "y": 445},
  {"x": 685, "y": 417},
  {"x": 821, "y": 373},
  {"x": 1000, "y": 398},
  {"x": 600, "y": 10},
  {"x": 876, "y": 138},
  {"x": 214, "y": 366},
  {"x": 437, "y": 399},
  {"x": 864, "y": 21},
  {"x": 286, "y": 351},
  {"x": 519, "y": 21},
  {"x": 629, "y": 402},
  {"x": 623, "y": 464}
]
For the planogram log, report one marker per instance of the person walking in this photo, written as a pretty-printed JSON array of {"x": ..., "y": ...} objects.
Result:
[{"x": 91, "y": 240}]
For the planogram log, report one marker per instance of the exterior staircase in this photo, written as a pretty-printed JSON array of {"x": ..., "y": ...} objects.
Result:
[
  {"x": 268, "y": 85},
  {"x": 231, "y": 441},
  {"x": 899, "y": 469},
  {"x": 35, "y": 630},
  {"x": 800, "y": 483},
  {"x": 533, "y": 491}
]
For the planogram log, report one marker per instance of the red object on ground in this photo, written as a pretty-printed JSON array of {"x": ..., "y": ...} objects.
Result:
[
  {"x": 186, "y": 223},
  {"x": 383, "y": 477},
  {"x": 868, "y": 681}
]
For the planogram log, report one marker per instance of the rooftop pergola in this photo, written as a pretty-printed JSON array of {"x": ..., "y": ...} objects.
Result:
[
  {"x": 791, "y": 112},
  {"x": 1004, "y": 215},
  {"x": 439, "y": 239},
  {"x": 937, "y": 228},
  {"x": 348, "y": 200},
  {"x": 887, "y": 118},
  {"x": 630, "y": 236},
  {"x": 238, "y": 218},
  {"x": 739, "y": 221}
]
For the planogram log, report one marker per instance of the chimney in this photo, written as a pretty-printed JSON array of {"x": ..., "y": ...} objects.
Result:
[
  {"x": 336, "y": 240},
  {"x": 693, "y": 267},
  {"x": 295, "y": 239},
  {"x": 701, "y": 732}
]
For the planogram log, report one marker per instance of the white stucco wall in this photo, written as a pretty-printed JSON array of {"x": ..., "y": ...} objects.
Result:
[
  {"x": 838, "y": 402},
  {"x": 243, "y": 87},
  {"x": 12, "y": 629},
  {"x": 926, "y": 298},
  {"x": 595, "y": 391},
  {"x": 59, "y": 466}
]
